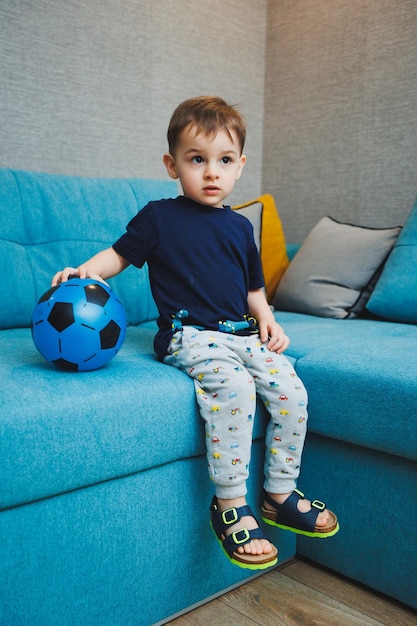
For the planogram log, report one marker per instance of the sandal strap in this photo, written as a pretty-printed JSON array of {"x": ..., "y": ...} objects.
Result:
[
  {"x": 222, "y": 520},
  {"x": 240, "y": 537},
  {"x": 289, "y": 515}
]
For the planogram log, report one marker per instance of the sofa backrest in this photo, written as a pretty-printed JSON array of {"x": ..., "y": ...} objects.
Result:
[{"x": 50, "y": 221}]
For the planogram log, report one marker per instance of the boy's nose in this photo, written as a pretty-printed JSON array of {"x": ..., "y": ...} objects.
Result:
[{"x": 211, "y": 171}]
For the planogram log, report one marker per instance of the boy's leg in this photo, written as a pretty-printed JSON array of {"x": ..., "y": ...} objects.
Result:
[
  {"x": 285, "y": 398},
  {"x": 226, "y": 396}
]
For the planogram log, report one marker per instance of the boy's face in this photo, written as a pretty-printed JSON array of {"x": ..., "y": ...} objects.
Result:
[{"x": 207, "y": 167}]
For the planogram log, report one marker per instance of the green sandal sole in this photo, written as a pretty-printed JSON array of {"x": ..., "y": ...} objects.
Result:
[
  {"x": 306, "y": 533},
  {"x": 251, "y": 566}
]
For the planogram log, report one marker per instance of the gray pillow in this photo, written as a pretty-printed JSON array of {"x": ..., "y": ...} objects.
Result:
[
  {"x": 253, "y": 212},
  {"x": 333, "y": 272}
]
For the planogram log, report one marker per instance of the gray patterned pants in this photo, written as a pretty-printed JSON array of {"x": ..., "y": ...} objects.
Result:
[{"x": 228, "y": 371}]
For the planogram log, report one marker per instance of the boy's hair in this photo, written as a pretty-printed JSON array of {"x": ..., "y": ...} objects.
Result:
[{"x": 209, "y": 114}]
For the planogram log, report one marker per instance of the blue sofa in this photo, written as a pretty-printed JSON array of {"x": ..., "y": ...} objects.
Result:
[
  {"x": 101, "y": 520},
  {"x": 104, "y": 517}
]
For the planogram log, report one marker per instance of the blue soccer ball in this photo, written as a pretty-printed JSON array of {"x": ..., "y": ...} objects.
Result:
[{"x": 79, "y": 325}]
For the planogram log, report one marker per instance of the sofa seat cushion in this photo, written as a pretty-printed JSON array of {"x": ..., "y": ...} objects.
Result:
[
  {"x": 372, "y": 366},
  {"x": 61, "y": 431}
]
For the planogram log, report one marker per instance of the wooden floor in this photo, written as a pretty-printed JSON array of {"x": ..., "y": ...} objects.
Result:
[{"x": 299, "y": 593}]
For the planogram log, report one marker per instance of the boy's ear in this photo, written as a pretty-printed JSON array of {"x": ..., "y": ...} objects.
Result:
[
  {"x": 241, "y": 166},
  {"x": 169, "y": 163}
]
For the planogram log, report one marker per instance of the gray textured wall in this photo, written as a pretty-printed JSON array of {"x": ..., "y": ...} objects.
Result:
[
  {"x": 340, "y": 111},
  {"x": 87, "y": 86}
]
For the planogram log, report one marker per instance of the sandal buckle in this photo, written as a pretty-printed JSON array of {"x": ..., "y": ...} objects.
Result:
[
  {"x": 240, "y": 536},
  {"x": 318, "y": 505},
  {"x": 230, "y": 516}
]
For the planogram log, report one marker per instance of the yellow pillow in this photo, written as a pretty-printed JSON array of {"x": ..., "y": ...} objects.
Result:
[{"x": 270, "y": 239}]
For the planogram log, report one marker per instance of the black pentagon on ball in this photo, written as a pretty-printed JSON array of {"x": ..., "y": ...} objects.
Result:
[
  {"x": 47, "y": 294},
  {"x": 109, "y": 335},
  {"x": 61, "y": 316},
  {"x": 63, "y": 364},
  {"x": 96, "y": 294}
]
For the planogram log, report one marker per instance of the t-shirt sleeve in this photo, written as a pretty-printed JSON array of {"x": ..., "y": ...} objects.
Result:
[{"x": 140, "y": 238}]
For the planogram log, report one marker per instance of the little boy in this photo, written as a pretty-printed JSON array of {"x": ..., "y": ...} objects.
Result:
[{"x": 216, "y": 325}]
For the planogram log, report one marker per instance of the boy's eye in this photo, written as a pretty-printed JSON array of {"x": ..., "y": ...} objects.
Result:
[
  {"x": 197, "y": 159},
  {"x": 226, "y": 160}
]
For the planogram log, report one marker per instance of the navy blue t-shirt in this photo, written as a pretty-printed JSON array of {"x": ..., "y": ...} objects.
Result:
[{"x": 200, "y": 258}]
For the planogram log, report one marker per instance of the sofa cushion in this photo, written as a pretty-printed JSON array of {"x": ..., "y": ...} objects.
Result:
[
  {"x": 370, "y": 367},
  {"x": 62, "y": 430},
  {"x": 331, "y": 274},
  {"x": 395, "y": 295},
  {"x": 18, "y": 292},
  {"x": 270, "y": 239},
  {"x": 49, "y": 221}
]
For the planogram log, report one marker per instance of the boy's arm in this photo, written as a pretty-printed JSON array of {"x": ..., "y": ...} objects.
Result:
[
  {"x": 269, "y": 329},
  {"x": 105, "y": 264}
]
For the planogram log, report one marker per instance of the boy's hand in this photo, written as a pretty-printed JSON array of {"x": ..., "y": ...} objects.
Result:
[
  {"x": 106, "y": 263},
  {"x": 71, "y": 272},
  {"x": 269, "y": 329},
  {"x": 278, "y": 340}
]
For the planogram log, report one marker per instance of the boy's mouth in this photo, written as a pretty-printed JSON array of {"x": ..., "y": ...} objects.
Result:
[{"x": 211, "y": 189}]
